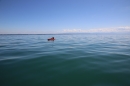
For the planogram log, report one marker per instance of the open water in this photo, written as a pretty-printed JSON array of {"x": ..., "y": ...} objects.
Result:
[{"x": 70, "y": 60}]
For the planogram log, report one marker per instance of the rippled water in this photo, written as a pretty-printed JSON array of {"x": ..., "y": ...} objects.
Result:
[{"x": 70, "y": 60}]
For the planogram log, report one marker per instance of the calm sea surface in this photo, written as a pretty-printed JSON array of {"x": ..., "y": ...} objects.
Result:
[{"x": 70, "y": 60}]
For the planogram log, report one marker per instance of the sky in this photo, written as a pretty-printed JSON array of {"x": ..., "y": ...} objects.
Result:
[{"x": 64, "y": 16}]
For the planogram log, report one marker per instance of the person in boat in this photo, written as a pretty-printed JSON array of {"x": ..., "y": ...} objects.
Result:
[{"x": 52, "y": 39}]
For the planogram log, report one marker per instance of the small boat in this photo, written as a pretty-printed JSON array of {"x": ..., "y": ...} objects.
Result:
[{"x": 51, "y": 39}]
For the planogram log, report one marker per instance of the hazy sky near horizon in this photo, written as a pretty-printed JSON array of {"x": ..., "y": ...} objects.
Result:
[{"x": 58, "y": 16}]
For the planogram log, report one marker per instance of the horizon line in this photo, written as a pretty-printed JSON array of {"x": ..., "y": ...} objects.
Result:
[{"x": 62, "y": 33}]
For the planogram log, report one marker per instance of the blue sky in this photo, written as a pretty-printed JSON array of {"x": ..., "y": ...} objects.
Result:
[{"x": 59, "y": 16}]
